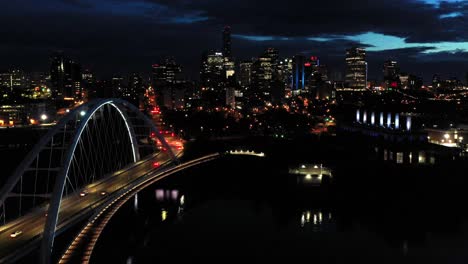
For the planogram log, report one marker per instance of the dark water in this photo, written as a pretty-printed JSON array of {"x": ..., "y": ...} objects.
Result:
[{"x": 251, "y": 209}]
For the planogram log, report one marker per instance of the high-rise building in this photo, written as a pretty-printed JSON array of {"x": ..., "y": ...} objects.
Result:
[
  {"x": 212, "y": 70},
  {"x": 88, "y": 84},
  {"x": 391, "y": 74},
  {"x": 356, "y": 68},
  {"x": 298, "y": 73},
  {"x": 118, "y": 86},
  {"x": 75, "y": 81},
  {"x": 65, "y": 75},
  {"x": 245, "y": 73},
  {"x": 285, "y": 69},
  {"x": 229, "y": 68},
  {"x": 391, "y": 70},
  {"x": 135, "y": 89},
  {"x": 13, "y": 79},
  {"x": 273, "y": 54},
  {"x": 262, "y": 75},
  {"x": 227, "y": 42},
  {"x": 165, "y": 73},
  {"x": 230, "y": 96}
]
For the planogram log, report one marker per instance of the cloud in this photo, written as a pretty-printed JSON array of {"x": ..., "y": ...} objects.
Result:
[
  {"x": 451, "y": 15},
  {"x": 138, "y": 32}
]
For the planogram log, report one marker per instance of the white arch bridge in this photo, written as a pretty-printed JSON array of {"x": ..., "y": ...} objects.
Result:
[{"x": 94, "y": 151}]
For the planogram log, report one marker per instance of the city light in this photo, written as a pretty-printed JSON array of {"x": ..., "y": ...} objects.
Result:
[{"x": 271, "y": 112}]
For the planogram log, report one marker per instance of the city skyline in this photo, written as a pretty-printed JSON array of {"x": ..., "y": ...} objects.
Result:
[{"x": 425, "y": 37}]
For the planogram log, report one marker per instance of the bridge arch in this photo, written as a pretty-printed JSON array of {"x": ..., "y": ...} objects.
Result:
[{"x": 53, "y": 158}]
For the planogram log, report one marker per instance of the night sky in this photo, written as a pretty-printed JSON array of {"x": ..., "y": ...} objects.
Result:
[{"x": 119, "y": 36}]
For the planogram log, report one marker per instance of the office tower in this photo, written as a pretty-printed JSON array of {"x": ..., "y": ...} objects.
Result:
[
  {"x": 135, "y": 89},
  {"x": 391, "y": 70},
  {"x": 118, "y": 86},
  {"x": 229, "y": 68},
  {"x": 166, "y": 72},
  {"x": 273, "y": 54},
  {"x": 227, "y": 42},
  {"x": 230, "y": 97},
  {"x": 245, "y": 73},
  {"x": 13, "y": 80},
  {"x": 88, "y": 85},
  {"x": 262, "y": 75},
  {"x": 356, "y": 68},
  {"x": 285, "y": 69},
  {"x": 65, "y": 75},
  {"x": 298, "y": 73},
  {"x": 212, "y": 70},
  {"x": 391, "y": 74}
]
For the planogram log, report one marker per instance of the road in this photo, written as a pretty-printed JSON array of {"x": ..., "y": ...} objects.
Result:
[
  {"x": 73, "y": 207},
  {"x": 81, "y": 248}
]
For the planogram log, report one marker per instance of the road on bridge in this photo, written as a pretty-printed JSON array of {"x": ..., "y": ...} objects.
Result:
[{"x": 75, "y": 206}]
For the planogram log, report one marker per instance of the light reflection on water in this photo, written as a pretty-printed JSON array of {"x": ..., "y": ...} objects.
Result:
[{"x": 384, "y": 221}]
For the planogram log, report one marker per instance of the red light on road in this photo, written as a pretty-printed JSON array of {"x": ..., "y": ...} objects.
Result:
[
  {"x": 153, "y": 134},
  {"x": 307, "y": 64},
  {"x": 172, "y": 134},
  {"x": 156, "y": 164}
]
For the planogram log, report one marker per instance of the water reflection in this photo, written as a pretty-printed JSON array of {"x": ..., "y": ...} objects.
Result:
[
  {"x": 318, "y": 220},
  {"x": 170, "y": 200},
  {"x": 135, "y": 202},
  {"x": 163, "y": 214},
  {"x": 383, "y": 216}
]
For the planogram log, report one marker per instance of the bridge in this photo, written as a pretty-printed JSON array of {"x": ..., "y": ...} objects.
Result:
[
  {"x": 94, "y": 153},
  {"x": 81, "y": 172}
]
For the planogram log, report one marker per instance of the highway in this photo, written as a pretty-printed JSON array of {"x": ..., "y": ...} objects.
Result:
[
  {"x": 74, "y": 207},
  {"x": 81, "y": 248}
]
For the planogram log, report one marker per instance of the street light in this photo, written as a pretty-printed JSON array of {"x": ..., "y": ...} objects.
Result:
[
  {"x": 43, "y": 117},
  {"x": 82, "y": 113}
]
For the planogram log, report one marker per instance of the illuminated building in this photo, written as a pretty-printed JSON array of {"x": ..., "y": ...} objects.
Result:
[
  {"x": 13, "y": 82},
  {"x": 213, "y": 79},
  {"x": 118, "y": 86},
  {"x": 229, "y": 68},
  {"x": 356, "y": 68},
  {"x": 391, "y": 74},
  {"x": 165, "y": 73},
  {"x": 230, "y": 97},
  {"x": 65, "y": 76},
  {"x": 262, "y": 75},
  {"x": 134, "y": 90},
  {"x": 88, "y": 84},
  {"x": 298, "y": 73},
  {"x": 447, "y": 137},
  {"x": 285, "y": 68},
  {"x": 245, "y": 73},
  {"x": 212, "y": 69}
]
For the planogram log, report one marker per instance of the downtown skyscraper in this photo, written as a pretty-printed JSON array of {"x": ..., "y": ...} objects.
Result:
[{"x": 356, "y": 68}]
